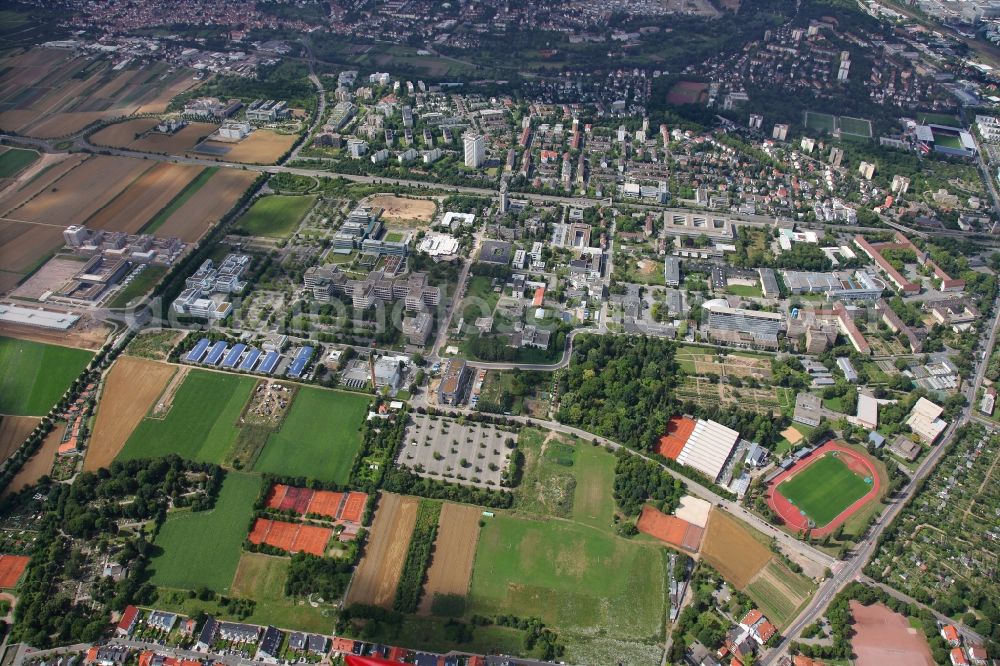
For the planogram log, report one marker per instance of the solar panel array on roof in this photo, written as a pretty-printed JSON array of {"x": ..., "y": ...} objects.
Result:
[
  {"x": 250, "y": 360},
  {"x": 299, "y": 364},
  {"x": 233, "y": 356},
  {"x": 198, "y": 351},
  {"x": 270, "y": 361},
  {"x": 215, "y": 353}
]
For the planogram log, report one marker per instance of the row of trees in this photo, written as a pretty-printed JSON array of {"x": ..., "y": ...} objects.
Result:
[{"x": 418, "y": 557}]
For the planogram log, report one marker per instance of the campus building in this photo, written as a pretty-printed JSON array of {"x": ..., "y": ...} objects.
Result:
[
  {"x": 454, "y": 382},
  {"x": 745, "y": 327}
]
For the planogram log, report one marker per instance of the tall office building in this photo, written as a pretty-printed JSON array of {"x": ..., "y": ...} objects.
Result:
[{"x": 475, "y": 150}]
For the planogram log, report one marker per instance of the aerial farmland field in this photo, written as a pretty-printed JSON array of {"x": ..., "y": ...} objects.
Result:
[
  {"x": 33, "y": 376},
  {"x": 200, "y": 424},
  {"x": 275, "y": 216},
  {"x": 188, "y": 558},
  {"x": 319, "y": 438}
]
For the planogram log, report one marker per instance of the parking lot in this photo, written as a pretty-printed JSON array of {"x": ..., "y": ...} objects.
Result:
[{"x": 470, "y": 453}]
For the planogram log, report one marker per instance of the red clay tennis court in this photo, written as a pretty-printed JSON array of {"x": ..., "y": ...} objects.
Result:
[
  {"x": 354, "y": 507},
  {"x": 297, "y": 500},
  {"x": 11, "y": 569},
  {"x": 291, "y": 537},
  {"x": 670, "y": 529},
  {"x": 326, "y": 503},
  {"x": 679, "y": 429},
  {"x": 276, "y": 495}
]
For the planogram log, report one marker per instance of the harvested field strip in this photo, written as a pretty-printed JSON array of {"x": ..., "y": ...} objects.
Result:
[
  {"x": 129, "y": 392},
  {"x": 411, "y": 581},
  {"x": 83, "y": 191},
  {"x": 13, "y": 431},
  {"x": 454, "y": 554},
  {"x": 377, "y": 576},
  {"x": 780, "y": 592},
  {"x": 43, "y": 179},
  {"x": 204, "y": 208},
  {"x": 149, "y": 193},
  {"x": 179, "y": 199},
  {"x": 39, "y": 464},
  {"x": 732, "y": 550}
]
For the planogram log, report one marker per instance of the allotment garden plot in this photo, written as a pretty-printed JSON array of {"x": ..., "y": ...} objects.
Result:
[{"x": 469, "y": 453}]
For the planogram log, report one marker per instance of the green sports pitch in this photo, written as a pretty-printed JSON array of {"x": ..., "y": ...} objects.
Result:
[
  {"x": 824, "y": 489},
  {"x": 276, "y": 215},
  {"x": 34, "y": 376}
]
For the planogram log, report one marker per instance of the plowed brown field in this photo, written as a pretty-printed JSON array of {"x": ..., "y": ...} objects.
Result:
[
  {"x": 13, "y": 431},
  {"x": 207, "y": 206},
  {"x": 144, "y": 198},
  {"x": 377, "y": 576},
  {"x": 130, "y": 390},
  {"x": 732, "y": 550}
]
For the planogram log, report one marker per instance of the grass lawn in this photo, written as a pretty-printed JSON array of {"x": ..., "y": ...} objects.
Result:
[
  {"x": 480, "y": 299},
  {"x": 319, "y": 438},
  {"x": 201, "y": 423},
  {"x": 164, "y": 213},
  {"x": 575, "y": 577},
  {"x": 276, "y": 215},
  {"x": 14, "y": 160},
  {"x": 824, "y": 489},
  {"x": 593, "y": 503},
  {"x": 431, "y": 634},
  {"x": 836, "y": 404},
  {"x": 745, "y": 290},
  {"x": 33, "y": 376},
  {"x": 203, "y": 548},
  {"x": 140, "y": 284}
]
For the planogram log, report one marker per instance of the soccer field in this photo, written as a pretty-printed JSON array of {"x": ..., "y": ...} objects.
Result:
[
  {"x": 33, "y": 376},
  {"x": 319, "y": 438},
  {"x": 824, "y": 489},
  {"x": 275, "y": 216},
  {"x": 572, "y": 576},
  {"x": 203, "y": 548},
  {"x": 201, "y": 423}
]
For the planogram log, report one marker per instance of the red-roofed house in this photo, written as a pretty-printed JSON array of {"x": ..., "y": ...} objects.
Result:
[
  {"x": 751, "y": 618},
  {"x": 764, "y": 631},
  {"x": 130, "y": 618},
  {"x": 950, "y": 634},
  {"x": 342, "y": 645},
  {"x": 539, "y": 297},
  {"x": 958, "y": 657}
]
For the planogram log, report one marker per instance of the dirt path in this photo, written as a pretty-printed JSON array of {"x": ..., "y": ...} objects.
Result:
[{"x": 166, "y": 400}]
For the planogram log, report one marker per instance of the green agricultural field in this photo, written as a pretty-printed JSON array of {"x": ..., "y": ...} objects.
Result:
[
  {"x": 182, "y": 197},
  {"x": 196, "y": 549},
  {"x": 201, "y": 423},
  {"x": 824, "y": 489},
  {"x": 576, "y": 578},
  {"x": 15, "y": 160},
  {"x": 33, "y": 376},
  {"x": 275, "y": 216},
  {"x": 319, "y": 438}
]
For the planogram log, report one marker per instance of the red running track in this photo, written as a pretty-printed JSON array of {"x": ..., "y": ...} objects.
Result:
[{"x": 790, "y": 514}]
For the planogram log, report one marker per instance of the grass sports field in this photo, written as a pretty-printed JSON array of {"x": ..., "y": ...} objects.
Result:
[
  {"x": 824, "y": 489},
  {"x": 200, "y": 424},
  {"x": 33, "y": 376},
  {"x": 14, "y": 160},
  {"x": 275, "y": 216},
  {"x": 319, "y": 438},
  {"x": 573, "y": 576},
  {"x": 203, "y": 548}
]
